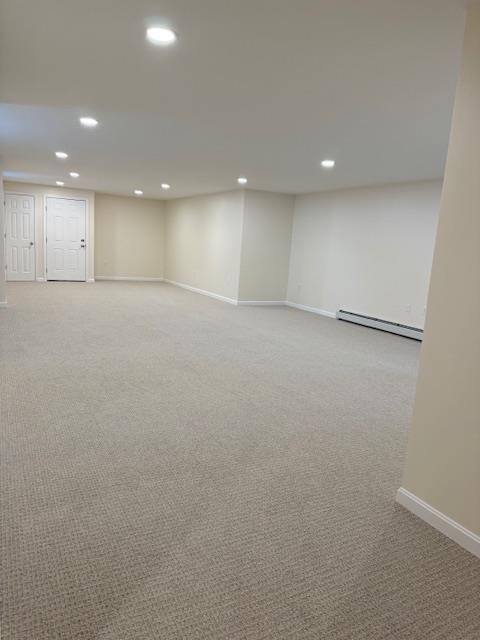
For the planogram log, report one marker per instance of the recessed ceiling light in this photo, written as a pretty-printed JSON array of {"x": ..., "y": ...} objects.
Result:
[
  {"x": 61, "y": 154},
  {"x": 161, "y": 35},
  {"x": 59, "y": 183},
  {"x": 242, "y": 180},
  {"x": 74, "y": 174},
  {"x": 165, "y": 186},
  {"x": 328, "y": 164},
  {"x": 88, "y": 122},
  {"x": 138, "y": 192}
]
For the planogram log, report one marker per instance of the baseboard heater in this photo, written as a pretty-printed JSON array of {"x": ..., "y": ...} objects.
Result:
[{"x": 383, "y": 325}]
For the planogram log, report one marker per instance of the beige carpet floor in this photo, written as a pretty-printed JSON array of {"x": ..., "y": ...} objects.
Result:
[{"x": 174, "y": 467}]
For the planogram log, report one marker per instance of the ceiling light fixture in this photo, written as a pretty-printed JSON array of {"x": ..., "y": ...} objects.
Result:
[
  {"x": 59, "y": 183},
  {"x": 74, "y": 174},
  {"x": 161, "y": 36},
  {"x": 89, "y": 122},
  {"x": 242, "y": 180},
  {"x": 61, "y": 154},
  {"x": 165, "y": 186},
  {"x": 328, "y": 164},
  {"x": 138, "y": 192}
]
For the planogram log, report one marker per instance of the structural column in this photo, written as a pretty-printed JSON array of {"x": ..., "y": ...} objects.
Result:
[
  {"x": 442, "y": 474},
  {"x": 3, "y": 292}
]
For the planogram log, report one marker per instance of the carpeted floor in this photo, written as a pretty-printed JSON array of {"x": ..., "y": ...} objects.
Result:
[{"x": 178, "y": 468}]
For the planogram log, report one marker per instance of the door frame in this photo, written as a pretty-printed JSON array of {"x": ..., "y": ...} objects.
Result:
[
  {"x": 87, "y": 233},
  {"x": 30, "y": 195}
]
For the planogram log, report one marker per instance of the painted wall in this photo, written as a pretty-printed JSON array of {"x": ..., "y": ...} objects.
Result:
[
  {"x": 3, "y": 288},
  {"x": 129, "y": 237},
  {"x": 366, "y": 250},
  {"x": 40, "y": 192},
  {"x": 266, "y": 239},
  {"x": 203, "y": 239},
  {"x": 443, "y": 458}
]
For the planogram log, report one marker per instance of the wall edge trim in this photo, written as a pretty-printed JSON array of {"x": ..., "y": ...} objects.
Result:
[
  {"x": 261, "y": 303},
  {"x": 202, "y": 292},
  {"x": 128, "y": 278},
  {"x": 303, "y": 307},
  {"x": 439, "y": 521}
]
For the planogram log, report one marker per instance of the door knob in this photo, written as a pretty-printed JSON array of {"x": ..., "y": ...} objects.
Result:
[{"x": 31, "y": 244}]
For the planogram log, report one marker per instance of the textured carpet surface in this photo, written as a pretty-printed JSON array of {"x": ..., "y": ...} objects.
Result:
[{"x": 178, "y": 468}]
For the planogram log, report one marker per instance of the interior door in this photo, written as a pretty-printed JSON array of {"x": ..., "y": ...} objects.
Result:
[
  {"x": 66, "y": 236},
  {"x": 20, "y": 236}
]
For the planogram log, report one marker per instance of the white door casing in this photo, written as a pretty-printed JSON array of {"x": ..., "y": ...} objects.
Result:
[
  {"x": 66, "y": 229},
  {"x": 20, "y": 236}
]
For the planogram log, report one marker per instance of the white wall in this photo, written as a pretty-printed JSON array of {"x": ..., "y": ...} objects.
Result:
[
  {"x": 203, "y": 238},
  {"x": 40, "y": 192},
  {"x": 129, "y": 237},
  {"x": 365, "y": 250},
  {"x": 443, "y": 458},
  {"x": 266, "y": 239}
]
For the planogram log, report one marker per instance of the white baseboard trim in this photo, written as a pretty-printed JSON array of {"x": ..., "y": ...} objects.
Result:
[
  {"x": 129, "y": 278},
  {"x": 210, "y": 294},
  {"x": 251, "y": 303},
  {"x": 302, "y": 307},
  {"x": 261, "y": 303},
  {"x": 90, "y": 280},
  {"x": 438, "y": 520},
  {"x": 40, "y": 279}
]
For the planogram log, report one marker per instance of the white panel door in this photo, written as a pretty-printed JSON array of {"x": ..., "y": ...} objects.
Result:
[
  {"x": 66, "y": 236},
  {"x": 20, "y": 236}
]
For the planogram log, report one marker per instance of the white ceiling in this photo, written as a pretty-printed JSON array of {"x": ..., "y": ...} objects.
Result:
[{"x": 263, "y": 88}]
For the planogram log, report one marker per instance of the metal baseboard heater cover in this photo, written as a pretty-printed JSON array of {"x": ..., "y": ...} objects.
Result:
[{"x": 383, "y": 325}]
